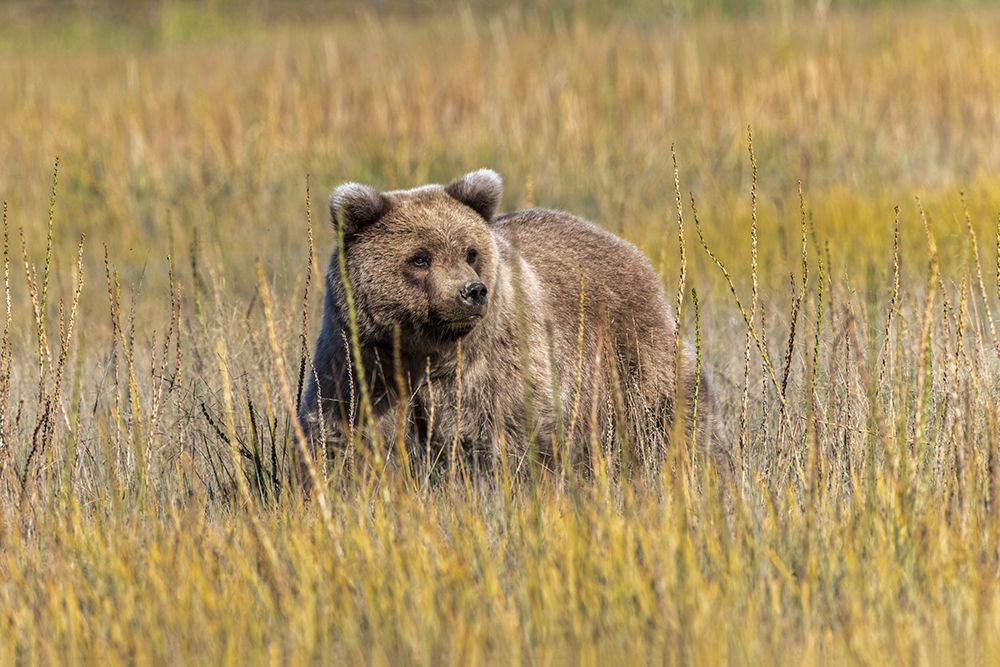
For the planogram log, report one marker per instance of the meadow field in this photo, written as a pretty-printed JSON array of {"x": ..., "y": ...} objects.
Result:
[{"x": 817, "y": 182}]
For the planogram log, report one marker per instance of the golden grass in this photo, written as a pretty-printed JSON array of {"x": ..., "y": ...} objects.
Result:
[{"x": 147, "y": 372}]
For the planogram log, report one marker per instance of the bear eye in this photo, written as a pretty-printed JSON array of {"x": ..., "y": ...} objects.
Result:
[
  {"x": 421, "y": 260},
  {"x": 471, "y": 256}
]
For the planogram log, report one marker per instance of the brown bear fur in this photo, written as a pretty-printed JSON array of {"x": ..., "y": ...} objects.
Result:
[{"x": 533, "y": 380}]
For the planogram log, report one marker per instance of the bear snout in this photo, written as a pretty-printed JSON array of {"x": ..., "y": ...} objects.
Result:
[{"x": 473, "y": 294}]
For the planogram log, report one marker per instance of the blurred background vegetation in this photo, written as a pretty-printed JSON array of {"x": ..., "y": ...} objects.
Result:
[{"x": 173, "y": 119}]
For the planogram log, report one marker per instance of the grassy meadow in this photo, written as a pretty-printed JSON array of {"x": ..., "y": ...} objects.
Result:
[{"x": 818, "y": 184}]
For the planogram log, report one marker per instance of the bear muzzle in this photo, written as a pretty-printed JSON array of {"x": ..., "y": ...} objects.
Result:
[
  {"x": 473, "y": 295},
  {"x": 455, "y": 317}
]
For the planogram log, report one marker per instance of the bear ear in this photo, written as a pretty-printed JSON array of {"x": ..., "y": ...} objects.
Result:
[
  {"x": 357, "y": 206},
  {"x": 479, "y": 190}
]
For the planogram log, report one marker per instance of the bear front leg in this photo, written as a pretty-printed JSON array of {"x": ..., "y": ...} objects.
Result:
[{"x": 323, "y": 399}]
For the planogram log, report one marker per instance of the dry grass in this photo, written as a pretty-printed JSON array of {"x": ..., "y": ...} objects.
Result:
[{"x": 146, "y": 372}]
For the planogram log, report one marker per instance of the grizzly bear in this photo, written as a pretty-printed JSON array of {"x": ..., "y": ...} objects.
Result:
[{"x": 534, "y": 335}]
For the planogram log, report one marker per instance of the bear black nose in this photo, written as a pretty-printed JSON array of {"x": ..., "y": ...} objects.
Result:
[{"x": 473, "y": 294}]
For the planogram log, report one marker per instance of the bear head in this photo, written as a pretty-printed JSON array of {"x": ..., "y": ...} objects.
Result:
[{"x": 424, "y": 259}]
